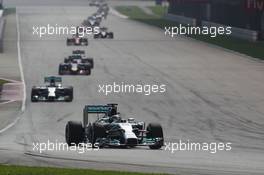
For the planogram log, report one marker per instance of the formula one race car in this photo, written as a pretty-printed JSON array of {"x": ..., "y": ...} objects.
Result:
[
  {"x": 79, "y": 58},
  {"x": 52, "y": 92},
  {"x": 103, "y": 33},
  {"x": 77, "y": 41},
  {"x": 110, "y": 130},
  {"x": 100, "y": 14},
  {"x": 104, "y": 7},
  {"x": 76, "y": 65},
  {"x": 94, "y": 3},
  {"x": 92, "y": 21}
]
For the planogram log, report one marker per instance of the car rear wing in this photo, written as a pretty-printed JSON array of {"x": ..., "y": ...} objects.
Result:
[
  {"x": 75, "y": 57},
  {"x": 97, "y": 109},
  {"x": 78, "y": 52},
  {"x": 52, "y": 79}
]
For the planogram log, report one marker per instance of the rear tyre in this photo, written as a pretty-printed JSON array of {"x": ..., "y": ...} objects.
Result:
[
  {"x": 60, "y": 70},
  {"x": 70, "y": 94},
  {"x": 111, "y": 35},
  {"x": 155, "y": 131},
  {"x": 89, "y": 60},
  {"x": 88, "y": 72},
  {"x": 74, "y": 133},
  {"x": 66, "y": 60},
  {"x": 33, "y": 93}
]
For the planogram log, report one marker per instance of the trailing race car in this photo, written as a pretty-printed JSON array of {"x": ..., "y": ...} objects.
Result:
[
  {"x": 103, "y": 33},
  {"x": 75, "y": 67},
  {"x": 112, "y": 131},
  {"x": 94, "y": 3},
  {"x": 100, "y": 14},
  {"x": 77, "y": 41},
  {"x": 52, "y": 92},
  {"x": 92, "y": 21},
  {"x": 79, "y": 58}
]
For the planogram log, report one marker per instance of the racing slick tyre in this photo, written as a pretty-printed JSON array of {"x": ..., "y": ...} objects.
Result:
[
  {"x": 33, "y": 93},
  {"x": 89, "y": 60},
  {"x": 60, "y": 70},
  {"x": 66, "y": 60},
  {"x": 74, "y": 133},
  {"x": 69, "y": 42},
  {"x": 69, "y": 93},
  {"x": 111, "y": 35},
  {"x": 88, "y": 72},
  {"x": 96, "y": 36},
  {"x": 98, "y": 132},
  {"x": 155, "y": 131}
]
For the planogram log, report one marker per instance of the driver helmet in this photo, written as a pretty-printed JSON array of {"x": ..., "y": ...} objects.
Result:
[{"x": 115, "y": 118}]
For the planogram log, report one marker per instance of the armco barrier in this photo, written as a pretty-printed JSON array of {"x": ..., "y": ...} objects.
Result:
[
  {"x": 181, "y": 19},
  {"x": 2, "y": 27},
  {"x": 246, "y": 34}
]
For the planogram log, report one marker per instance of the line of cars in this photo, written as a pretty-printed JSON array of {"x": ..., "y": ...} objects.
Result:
[
  {"x": 75, "y": 64},
  {"x": 109, "y": 129}
]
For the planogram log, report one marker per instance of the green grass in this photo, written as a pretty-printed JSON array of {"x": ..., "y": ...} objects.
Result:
[
  {"x": 138, "y": 14},
  {"x": 23, "y": 170},
  {"x": 2, "y": 82},
  {"x": 8, "y": 11},
  {"x": 158, "y": 10},
  {"x": 254, "y": 49}
]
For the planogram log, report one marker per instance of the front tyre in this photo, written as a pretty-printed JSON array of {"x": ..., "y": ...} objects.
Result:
[
  {"x": 69, "y": 93},
  {"x": 155, "y": 131}
]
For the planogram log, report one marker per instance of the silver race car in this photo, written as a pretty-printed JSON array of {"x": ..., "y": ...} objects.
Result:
[
  {"x": 110, "y": 130},
  {"x": 76, "y": 40},
  {"x": 52, "y": 92},
  {"x": 79, "y": 58},
  {"x": 104, "y": 33}
]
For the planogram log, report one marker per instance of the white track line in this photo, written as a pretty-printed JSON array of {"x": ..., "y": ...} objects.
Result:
[
  {"x": 115, "y": 12},
  {"x": 20, "y": 63},
  {"x": 10, "y": 125},
  {"x": 6, "y": 102},
  {"x": 21, "y": 74},
  {"x": 7, "y": 79}
]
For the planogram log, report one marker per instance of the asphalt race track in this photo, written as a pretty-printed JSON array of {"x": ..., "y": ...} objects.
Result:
[{"x": 213, "y": 95}]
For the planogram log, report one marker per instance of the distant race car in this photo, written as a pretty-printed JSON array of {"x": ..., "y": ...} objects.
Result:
[
  {"x": 79, "y": 58},
  {"x": 52, "y": 92},
  {"x": 92, "y": 21},
  {"x": 100, "y": 14},
  {"x": 94, "y": 3},
  {"x": 77, "y": 41},
  {"x": 110, "y": 130},
  {"x": 103, "y": 33},
  {"x": 75, "y": 68}
]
